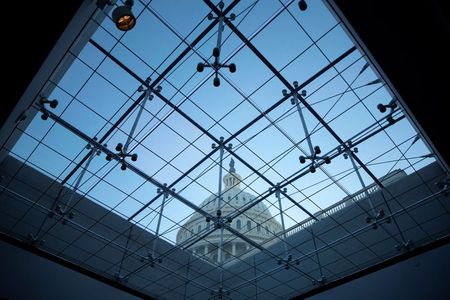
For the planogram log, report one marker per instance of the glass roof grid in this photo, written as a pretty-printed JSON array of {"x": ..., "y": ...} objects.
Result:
[
  {"x": 42, "y": 169},
  {"x": 46, "y": 245},
  {"x": 213, "y": 164},
  {"x": 250, "y": 287},
  {"x": 171, "y": 86},
  {"x": 270, "y": 164},
  {"x": 157, "y": 276},
  {"x": 165, "y": 81},
  {"x": 110, "y": 206},
  {"x": 328, "y": 259},
  {"x": 154, "y": 54},
  {"x": 321, "y": 246},
  {"x": 199, "y": 275},
  {"x": 331, "y": 216},
  {"x": 279, "y": 235},
  {"x": 43, "y": 193},
  {"x": 286, "y": 40},
  {"x": 265, "y": 91},
  {"x": 125, "y": 234},
  {"x": 53, "y": 124},
  {"x": 40, "y": 141},
  {"x": 27, "y": 140},
  {"x": 395, "y": 198},
  {"x": 374, "y": 119},
  {"x": 321, "y": 50}
]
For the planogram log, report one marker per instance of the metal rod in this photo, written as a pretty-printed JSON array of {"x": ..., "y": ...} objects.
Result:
[
  {"x": 219, "y": 35},
  {"x": 220, "y": 257},
  {"x": 219, "y": 203},
  {"x": 80, "y": 178},
  {"x": 317, "y": 253},
  {"x": 362, "y": 183},
  {"x": 219, "y": 192},
  {"x": 161, "y": 210},
  {"x": 305, "y": 128},
  {"x": 278, "y": 195},
  {"x": 136, "y": 121},
  {"x": 125, "y": 252},
  {"x": 256, "y": 280}
]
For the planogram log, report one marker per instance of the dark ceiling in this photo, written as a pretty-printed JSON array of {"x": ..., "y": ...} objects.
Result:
[
  {"x": 29, "y": 43},
  {"x": 410, "y": 41}
]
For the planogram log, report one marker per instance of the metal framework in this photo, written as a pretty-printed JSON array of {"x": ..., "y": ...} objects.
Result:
[{"x": 132, "y": 240}]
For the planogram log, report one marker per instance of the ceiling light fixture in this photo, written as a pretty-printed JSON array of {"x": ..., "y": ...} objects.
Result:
[{"x": 123, "y": 17}]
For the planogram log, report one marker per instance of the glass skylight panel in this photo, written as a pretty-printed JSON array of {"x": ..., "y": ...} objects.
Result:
[{"x": 146, "y": 208}]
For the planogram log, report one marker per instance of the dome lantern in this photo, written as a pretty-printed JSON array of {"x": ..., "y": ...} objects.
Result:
[{"x": 232, "y": 179}]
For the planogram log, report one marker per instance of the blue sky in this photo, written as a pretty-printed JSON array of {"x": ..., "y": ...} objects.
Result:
[{"x": 92, "y": 101}]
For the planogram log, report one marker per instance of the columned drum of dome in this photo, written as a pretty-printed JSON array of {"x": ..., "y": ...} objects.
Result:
[{"x": 257, "y": 223}]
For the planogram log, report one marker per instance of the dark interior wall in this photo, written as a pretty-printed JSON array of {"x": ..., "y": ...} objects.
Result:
[
  {"x": 410, "y": 41},
  {"x": 422, "y": 277},
  {"x": 24, "y": 275}
]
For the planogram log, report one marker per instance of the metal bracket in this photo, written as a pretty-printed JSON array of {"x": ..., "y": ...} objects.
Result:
[
  {"x": 151, "y": 260},
  {"x": 65, "y": 215},
  {"x": 219, "y": 221},
  {"x": 217, "y": 65},
  {"x": 120, "y": 278},
  {"x": 287, "y": 262},
  {"x": 220, "y": 294},
  {"x": 52, "y": 103},
  {"x": 392, "y": 105},
  {"x": 405, "y": 246},
  {"x": 321, "y": 281},
  {"x": 34, "y": 240},
  {"x": 377, "y": 219},
  {"x": 314, "y": 151},
  {"x": 122, "y": 149},
  {"x": 444, "y": 185}
]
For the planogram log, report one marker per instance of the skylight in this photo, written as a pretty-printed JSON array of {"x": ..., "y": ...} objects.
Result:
[{"x": 309, "y": 118}]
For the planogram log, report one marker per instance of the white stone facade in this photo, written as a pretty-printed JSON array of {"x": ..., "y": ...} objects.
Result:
[{"x": 257, "y": 223}]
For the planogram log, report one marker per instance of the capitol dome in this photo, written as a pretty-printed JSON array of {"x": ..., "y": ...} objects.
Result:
[{"x": 256, "y": 223}]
